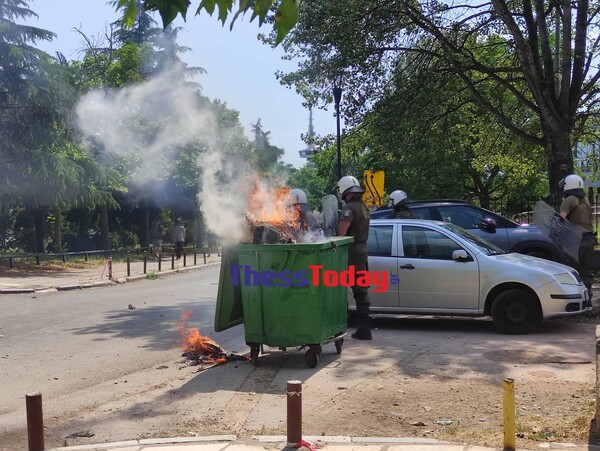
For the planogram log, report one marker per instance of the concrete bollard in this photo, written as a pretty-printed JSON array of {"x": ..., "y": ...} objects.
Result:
[
  {"x": 35, "y": 421},
  {"x": 294, "y": 413}
]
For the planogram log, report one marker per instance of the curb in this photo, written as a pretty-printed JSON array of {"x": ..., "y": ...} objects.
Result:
[{"x": 334, "y": 442}]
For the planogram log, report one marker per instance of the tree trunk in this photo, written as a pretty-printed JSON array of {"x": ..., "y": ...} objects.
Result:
[
  {"x": 104, "y": 233},
  {"x": 144, "y": 224},
  {"x": 58, "y": 230},
  {"x": 560, "y": 163},
  {"x": 39, "y": 217}
]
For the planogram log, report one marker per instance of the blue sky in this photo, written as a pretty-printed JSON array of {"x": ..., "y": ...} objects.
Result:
[{"x": 240, "y": 70}]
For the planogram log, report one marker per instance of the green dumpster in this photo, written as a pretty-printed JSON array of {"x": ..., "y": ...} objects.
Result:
[{"x": 285, "y": 294}]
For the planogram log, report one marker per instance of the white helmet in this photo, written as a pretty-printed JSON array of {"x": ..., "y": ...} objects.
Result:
[
  {"x": 571, "y": 182},
  {"x": 397, "y": 197},
  {"x": 298, "y": 196},
  {"x": 347, "y": 185}
]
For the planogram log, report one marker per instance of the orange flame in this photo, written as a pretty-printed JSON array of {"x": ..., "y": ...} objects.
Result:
[
  {"x": 192, "y": 342},
  {"x": 271, "y": 205}
]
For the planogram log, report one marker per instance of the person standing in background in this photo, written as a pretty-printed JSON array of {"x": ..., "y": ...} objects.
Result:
[
  {"x": 178, "y": 237},
  {"x": 156, "y": 235}
]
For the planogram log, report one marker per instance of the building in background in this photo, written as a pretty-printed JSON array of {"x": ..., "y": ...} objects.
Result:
[{"x": 309, "y": 152}]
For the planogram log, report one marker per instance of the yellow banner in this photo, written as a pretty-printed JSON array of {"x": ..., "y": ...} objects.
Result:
[{"x": 373, "y": 186}]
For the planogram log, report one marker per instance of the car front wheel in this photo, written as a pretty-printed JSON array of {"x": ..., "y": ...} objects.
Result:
[{"x": 515, "y": 311}]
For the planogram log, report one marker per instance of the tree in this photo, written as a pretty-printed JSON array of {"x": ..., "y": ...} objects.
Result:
[
  {"x": 265, "y": 155},
  {"x": 545, "y": 54},
  {"x": 365, "y": 40},
  {"x": 38, "y": 167},
  {"x": 282, "y": 13}
]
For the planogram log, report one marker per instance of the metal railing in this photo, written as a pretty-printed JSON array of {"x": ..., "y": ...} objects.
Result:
[{"x": 124, "y": 253}]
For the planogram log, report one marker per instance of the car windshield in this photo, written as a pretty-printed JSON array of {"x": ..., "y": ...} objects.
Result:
[{"x": 484, "y": 246}]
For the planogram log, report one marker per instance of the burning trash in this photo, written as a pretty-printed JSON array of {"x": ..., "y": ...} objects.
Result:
[
  {"x": 272, "y": 218},
  {"x": 202, "y": 350}
]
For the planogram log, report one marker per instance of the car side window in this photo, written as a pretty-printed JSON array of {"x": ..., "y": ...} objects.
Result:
[
  {"x": 420, "y": 242},
  {"x": 462, "y": 216},
  {"x": 379, "y": 242}
]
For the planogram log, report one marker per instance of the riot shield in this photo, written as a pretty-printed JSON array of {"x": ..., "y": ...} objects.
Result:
[
  {"x": 330, "y": 214},
  {"x": 564, "y": 234}
]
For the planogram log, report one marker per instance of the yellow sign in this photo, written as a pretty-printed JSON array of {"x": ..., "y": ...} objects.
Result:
[{"x": 373, "y": 186}]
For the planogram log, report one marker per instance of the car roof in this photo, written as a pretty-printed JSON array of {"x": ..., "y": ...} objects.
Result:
[
  {"x": 440, "y": 202},
  {"x": 407, "y": 221}
]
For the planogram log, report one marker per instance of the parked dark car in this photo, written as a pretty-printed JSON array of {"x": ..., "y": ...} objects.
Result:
[{"x": 498, "y": 230}]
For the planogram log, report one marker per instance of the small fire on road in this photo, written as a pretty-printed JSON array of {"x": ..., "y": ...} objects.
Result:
[{"x": 202, "y": 350}]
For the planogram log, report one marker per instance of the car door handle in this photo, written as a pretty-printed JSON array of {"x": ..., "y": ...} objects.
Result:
[{"x": 408, "y": 266}]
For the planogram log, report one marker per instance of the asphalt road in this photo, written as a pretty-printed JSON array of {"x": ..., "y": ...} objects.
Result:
[
  {"x": 118, "y": 372},
  {"x": 64, "y": 344}
]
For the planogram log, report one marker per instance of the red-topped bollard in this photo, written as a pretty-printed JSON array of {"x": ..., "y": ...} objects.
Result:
[{"x": 35, "y": 421}]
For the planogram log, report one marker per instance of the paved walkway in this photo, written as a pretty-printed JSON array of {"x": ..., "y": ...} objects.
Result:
[{"x": 90, "y": 275}]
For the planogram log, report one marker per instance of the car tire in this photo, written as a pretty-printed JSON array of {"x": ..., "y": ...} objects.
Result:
[{"x": 515, "y": 311}]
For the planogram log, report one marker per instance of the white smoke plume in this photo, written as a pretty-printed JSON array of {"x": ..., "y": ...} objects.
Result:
[{"x": 148, "y": 122}]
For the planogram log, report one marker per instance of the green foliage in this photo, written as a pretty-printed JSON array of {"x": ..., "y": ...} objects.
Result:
[
  {"x": 308, "y": 180},
  {"x": 284, "y": 19}
]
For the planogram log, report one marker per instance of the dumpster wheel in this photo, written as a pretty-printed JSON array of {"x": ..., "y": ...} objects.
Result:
[
  {"x": 338, "y": 345},
  {"x": 254, "y": 351},
  {"x": 312, "y": 357}
]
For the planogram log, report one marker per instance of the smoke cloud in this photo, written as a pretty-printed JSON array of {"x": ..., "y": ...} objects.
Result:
[{"x": 149, "y": 123}]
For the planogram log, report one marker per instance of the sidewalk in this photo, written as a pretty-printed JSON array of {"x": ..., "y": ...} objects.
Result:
[
  {"x": 340, "y": 443},
  {"x": 45, "y": 279}
]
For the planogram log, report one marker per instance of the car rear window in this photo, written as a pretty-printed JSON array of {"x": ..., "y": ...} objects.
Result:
[{"x": 380, "y": 241}]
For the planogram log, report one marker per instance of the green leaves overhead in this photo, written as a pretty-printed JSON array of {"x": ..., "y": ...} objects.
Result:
[{"x": 284, "y": 19}]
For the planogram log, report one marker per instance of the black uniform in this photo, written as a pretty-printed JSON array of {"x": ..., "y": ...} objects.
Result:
[
  {"x": 357, "y": 213},
  {"x": 403, "y": 212}
]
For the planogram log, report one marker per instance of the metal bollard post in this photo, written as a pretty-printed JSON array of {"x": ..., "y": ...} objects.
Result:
[
  {"x": 184, "y": 258},
  {"x": 128, "y": 264},
  {"x": 509, "y": 414},
  {"x": 294, "y": 413},
  {"x": 144, "y": 263},
  {"x": 10, "y": 262},
  {"x": 173, "y": 260},
  {"x": 195, "y": 252},
  {"x": 159, "y": 261},
  {"x": 110, "y": 276},
  {"x": 86, "y": 256},
  {"x": 35, "y": 421}
]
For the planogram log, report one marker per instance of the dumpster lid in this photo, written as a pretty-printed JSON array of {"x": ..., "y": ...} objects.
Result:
[
  {"x": 229, "y": 311},
  {"x": 327, "y": 243}
]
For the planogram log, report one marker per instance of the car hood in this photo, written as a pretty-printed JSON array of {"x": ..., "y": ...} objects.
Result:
[
  {"x": 535, "y": 263},
  {"x": 529, "y": 232}
]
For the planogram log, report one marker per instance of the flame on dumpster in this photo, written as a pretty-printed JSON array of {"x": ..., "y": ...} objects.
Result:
[
  {"x": 199, "y": 349},
  {"x": 271, "y": 216}
]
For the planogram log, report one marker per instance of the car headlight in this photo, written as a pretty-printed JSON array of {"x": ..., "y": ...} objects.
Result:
[{"x": 566, "y": 278}]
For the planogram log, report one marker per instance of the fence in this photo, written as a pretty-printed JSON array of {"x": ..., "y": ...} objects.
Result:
[{"x": 140, "y": 253}]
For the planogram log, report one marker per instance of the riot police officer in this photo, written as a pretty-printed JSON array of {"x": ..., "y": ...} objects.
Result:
[{"x": 354, "y": 221}]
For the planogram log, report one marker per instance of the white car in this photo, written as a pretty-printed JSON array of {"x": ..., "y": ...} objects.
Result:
[{"x": 442, "y": 269}]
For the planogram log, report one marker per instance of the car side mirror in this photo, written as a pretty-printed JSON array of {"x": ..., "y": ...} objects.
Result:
[
  {"x": 460, "y": 255},
  {"x": 489, "y": 225}
]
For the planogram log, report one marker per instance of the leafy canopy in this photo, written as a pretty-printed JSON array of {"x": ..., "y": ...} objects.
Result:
[{"x": 285, "y": 16}]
